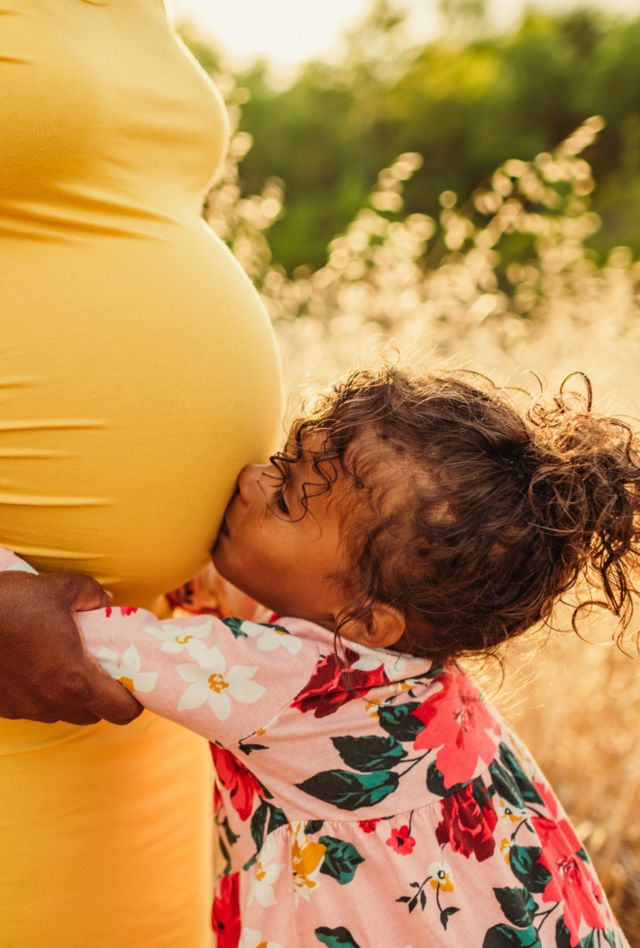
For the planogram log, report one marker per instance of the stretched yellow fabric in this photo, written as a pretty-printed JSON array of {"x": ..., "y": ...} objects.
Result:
[{"x": 138, "y": 373}]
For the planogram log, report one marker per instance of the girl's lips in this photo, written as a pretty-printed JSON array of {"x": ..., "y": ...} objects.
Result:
[{"x": 224, "y": 526}]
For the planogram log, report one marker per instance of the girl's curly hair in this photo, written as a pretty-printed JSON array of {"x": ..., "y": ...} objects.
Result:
[{"x": 471, "y": 517}]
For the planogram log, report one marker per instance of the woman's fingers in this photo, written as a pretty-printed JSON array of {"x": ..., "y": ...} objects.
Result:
[
  {"x": 110, "y": 700},
  {"x": 80, "y": 592}
]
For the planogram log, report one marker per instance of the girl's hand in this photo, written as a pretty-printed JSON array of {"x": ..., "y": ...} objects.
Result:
[
  {"x": 45, "y": 672},
  {"x": 209, "y": 594}
]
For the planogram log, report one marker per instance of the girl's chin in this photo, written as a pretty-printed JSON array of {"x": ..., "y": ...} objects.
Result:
[{"x": 218, "y": 557}]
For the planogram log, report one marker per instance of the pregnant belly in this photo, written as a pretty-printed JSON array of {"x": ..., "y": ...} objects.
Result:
[{"x": 137, "y": 377}]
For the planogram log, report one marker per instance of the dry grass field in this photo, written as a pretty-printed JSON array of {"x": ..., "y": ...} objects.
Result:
[{"x": 505, "y": 284}]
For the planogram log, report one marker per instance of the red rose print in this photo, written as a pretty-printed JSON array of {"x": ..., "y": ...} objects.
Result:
[
  {"x": 225, "y": 917},
  {"x": 124, "y": 610},
  {"x": 240, "y": 782},
  {"x": 456, "y": 722},
  {"x": 368, "y": 826},
  {"x": 571, "y": 879},
  {"x": 468, "y": 821},
  {"x": 401, "y": 841},
  {"x": 334, "y": 683}
]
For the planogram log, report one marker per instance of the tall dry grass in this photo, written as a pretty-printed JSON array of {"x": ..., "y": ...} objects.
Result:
[{"x": 506, "y": 285}]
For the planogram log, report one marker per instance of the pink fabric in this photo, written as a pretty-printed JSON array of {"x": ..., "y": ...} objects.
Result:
[{"x": 373, "y": 801}]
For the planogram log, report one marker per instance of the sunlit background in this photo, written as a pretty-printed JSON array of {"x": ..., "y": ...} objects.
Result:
[
  {"x": 289, "y": 32},
  {"x": 460, "y": 181}
]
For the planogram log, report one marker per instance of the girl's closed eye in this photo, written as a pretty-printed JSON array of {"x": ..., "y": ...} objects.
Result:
[{"x": 279, "y": 499}]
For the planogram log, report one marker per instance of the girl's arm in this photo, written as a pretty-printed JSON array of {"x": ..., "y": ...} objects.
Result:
[
  {"x": 223, "y": 679},
  {"x": 201, "y": 672}
]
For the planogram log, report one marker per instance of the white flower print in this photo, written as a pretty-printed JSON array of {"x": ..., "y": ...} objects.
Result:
[
  {"x": 253, "y": 939},
  {"x": 266, "y": 875},
  {"x": 174, "y": 637},
  {"x": 213, "y": 683},
  {"x": 394, "y": 665},
  {"x": 269, "y": 638},
  {"x": 440, "y": 877},
  {"x": 128, "y": 669}
]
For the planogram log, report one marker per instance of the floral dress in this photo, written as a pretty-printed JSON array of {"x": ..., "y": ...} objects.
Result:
[{"x": 364, "y": 798}]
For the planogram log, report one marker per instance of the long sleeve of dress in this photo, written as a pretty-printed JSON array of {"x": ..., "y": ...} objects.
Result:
[
  {"x": 212, "y": 676},
  {"x": 215, "y": 677}
]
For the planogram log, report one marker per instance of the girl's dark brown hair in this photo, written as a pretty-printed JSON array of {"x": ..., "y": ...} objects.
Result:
[{"x": 469, "y": 516}]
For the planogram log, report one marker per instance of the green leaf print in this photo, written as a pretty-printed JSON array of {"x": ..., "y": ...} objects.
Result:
[
  {"x": 336, "y": 937},
  {"x": 435, "y": 782},
  {"x": 340, "y": 860},
  {"x": 526, "y": 868},
  {"x": 505, "y": 784},
  {"x": 563, "y": 936},
  {"x": 259, "y": 824},
  {"x": 313, "y": 826},
  {"x": 350, "y": 791},
  {"x": 250, "y": 748},
  {"x": 398, "y": 720},
  {"x": 502, "y": 936},
  {"x": 445, "y": 915},
  {"x": 266, "y": 818},
  {"x": 369, "y": 753},
  {"x": 228, "y": 832},
  {"x": 611, "y": 940},
  {"x": 277, "y": 817},
  {"x": 517, "y": 905},
  {"x": 225, "y": 854},
  {"x": 525, "y": 784},
  {"x": 235, "y": 627}
]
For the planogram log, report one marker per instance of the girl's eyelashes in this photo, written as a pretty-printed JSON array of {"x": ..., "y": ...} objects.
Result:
[{"x": 278, "y": 496}]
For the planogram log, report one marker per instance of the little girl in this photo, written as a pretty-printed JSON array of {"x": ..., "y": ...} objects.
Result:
[{"x": 366, "y": 794}]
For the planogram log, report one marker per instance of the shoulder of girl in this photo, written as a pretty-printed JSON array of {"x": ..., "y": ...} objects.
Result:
[{"x": 292, "y": 635}]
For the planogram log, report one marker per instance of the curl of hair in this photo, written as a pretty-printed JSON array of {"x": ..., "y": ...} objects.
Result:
[{"x": 469, "y": 516}]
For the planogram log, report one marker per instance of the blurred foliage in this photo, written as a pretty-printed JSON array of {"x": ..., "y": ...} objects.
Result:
[{"x": 466, "y": 102}]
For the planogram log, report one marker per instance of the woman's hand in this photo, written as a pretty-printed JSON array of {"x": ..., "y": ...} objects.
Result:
[{"x": 45, "y": 673}]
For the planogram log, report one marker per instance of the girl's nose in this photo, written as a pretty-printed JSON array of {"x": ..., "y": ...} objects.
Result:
[{"x": 248, "y": 480}]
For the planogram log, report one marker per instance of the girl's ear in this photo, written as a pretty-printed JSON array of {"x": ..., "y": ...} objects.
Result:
[{"x": 386, "y": 628}]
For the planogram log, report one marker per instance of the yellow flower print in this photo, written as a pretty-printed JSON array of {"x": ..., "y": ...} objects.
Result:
[
  {"x": 127, "y": 669},
  {"x": 306, "y": 859},
  {"x": 176, "y": 635},
  {"x": 371, "y": 707},
  {"x": 217, "y": 683},
  {"x": 505, "y": 847},
  {"x": 441, "y": 877},
  {"x": 254, "y": 939},
  {"x": 508, "y": 813}
]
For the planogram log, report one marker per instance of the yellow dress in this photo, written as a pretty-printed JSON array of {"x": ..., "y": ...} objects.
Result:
[{"x": 138, "y": 373}]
